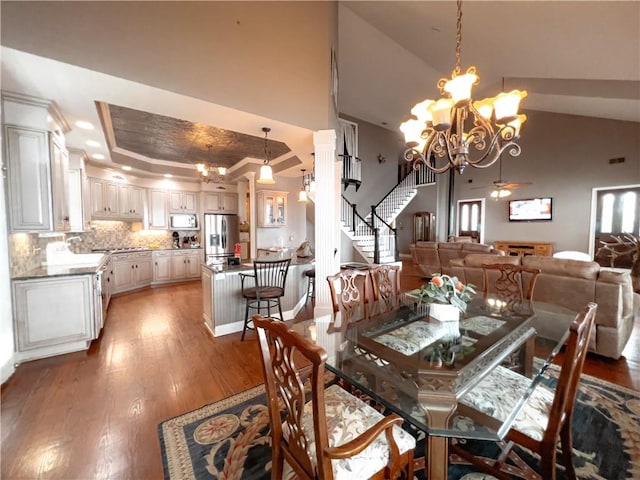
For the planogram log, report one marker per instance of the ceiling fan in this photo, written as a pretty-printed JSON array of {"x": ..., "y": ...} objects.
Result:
[{"x": 501, "y": 189}]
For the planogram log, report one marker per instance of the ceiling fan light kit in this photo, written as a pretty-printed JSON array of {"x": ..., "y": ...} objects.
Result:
[{"x": 438, "y": 129}]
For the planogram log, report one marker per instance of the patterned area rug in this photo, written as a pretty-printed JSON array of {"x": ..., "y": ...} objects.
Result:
[{"x": 230, "y": 439}]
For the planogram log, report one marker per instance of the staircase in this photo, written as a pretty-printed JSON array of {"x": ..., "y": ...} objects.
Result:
[{"x": 374, "y": 237}]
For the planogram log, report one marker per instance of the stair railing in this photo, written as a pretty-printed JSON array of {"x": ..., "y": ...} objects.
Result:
[
  {"x": 353, "y": 220},
  {"x": 386, "y": 237}
]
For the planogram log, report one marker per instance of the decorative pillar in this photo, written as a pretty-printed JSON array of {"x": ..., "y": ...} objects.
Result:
[
  {"x": 327, "y": 208},
  {"x": 251, "y": 176}
]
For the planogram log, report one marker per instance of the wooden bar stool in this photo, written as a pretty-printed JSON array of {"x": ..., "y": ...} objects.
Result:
[{"x": 311, "y": 285}]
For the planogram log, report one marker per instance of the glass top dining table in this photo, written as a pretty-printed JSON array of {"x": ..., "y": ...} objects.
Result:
[{"x": 421, "y": 368}]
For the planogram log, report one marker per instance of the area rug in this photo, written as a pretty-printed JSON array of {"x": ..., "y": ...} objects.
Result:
[{"x": 230, "y": 439}]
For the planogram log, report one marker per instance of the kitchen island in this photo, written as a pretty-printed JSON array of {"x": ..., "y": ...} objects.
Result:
[{"x": 223, "y": 305}]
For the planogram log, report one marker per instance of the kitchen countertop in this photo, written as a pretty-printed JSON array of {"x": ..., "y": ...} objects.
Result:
[
  {"x": 45, "y": 271},
  {"x": 247, "y": 265}
]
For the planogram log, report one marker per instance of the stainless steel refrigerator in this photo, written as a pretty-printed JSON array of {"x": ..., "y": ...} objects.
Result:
[{"x": 221, "y": 233}]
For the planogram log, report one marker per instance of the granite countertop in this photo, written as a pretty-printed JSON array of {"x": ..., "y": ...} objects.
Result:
[
  {"x": 45, "y": 271},
  {"x": 247, "y": 265}
]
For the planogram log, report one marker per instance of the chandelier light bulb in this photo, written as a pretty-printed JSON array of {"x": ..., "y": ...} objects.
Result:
[
  {"x": 422, "y": 112},
  {"x": 441, "y": 111},
  {"x": 507, "y": 104},
  {"x": 266, "y": 175},
  {"x": 484, "y": 107},
  {"x": 460, "y": 88}
]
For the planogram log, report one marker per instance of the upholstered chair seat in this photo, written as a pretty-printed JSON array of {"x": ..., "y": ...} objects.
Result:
[{"x": 347, "y": 418}]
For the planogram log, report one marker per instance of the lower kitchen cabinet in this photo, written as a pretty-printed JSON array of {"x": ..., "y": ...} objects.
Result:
[
  {"x": 55, "y": 315},
  {"x": 131, "y": 270},
  {"x": 176, "y": 265},
  {"x": 162, "y": 266}
]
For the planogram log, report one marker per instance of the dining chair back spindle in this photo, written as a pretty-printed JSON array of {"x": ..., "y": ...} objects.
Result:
[
  {"x": 386, "y": 288},
  {"x": 545, "y": 419},
  {"x": 513, "y": 284},
  {"x": 334, "y": 435},
  {"x": 350, "y": 294}
]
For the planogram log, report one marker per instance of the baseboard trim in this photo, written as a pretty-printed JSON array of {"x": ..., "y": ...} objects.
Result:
[{"x": 7, "y": 370}]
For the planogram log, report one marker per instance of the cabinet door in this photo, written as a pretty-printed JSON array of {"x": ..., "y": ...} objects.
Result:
[
  {"x": 144, "y": 272},
  {"x": 193, "y": 264},
  {"x": 53, "y": 311},
  {"x": 112, "y": 199},
  {"x": 175, "y": 202},
  {"x": 28, "y": 179},
  {"x": 124, "y": 207},
  {"x": 98, "y": 195},
  {"x": 136, "y": 201},
  {"x": 123, "y": 275},
  {"x": 189, "y": 202},
  {"x": 230, "y": 202},
  {"x": 212, "y": 203},
  {"x": 158, "y": 210},
  {"x": 178, "y": 266},
  {"x": 162, "y": 267},
  {"x": 272, "y": 209},
  {"x": 59, "y": 183}
]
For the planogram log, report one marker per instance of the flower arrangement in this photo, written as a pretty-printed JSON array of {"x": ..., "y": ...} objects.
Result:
[{"x": 447, "y": 290}]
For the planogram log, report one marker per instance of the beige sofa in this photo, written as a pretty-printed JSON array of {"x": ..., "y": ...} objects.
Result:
[
  {"x": 572, "y": 284},
  {"x": 434, "y": 257}
]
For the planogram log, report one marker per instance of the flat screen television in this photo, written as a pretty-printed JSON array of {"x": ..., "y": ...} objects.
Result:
[{"x": 531, "y": 210}]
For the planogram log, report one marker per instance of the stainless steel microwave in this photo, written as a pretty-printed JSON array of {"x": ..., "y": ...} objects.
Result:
[{"x": 183, "y": 221}]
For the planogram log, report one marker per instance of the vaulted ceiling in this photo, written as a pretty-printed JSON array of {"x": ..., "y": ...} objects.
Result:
[{"x": 578, "y": 57}]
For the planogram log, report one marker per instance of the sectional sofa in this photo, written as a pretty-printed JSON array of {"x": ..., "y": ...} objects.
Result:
[
  {"x": 434, "y": 257},
  {"x": 572, "y": 284}
]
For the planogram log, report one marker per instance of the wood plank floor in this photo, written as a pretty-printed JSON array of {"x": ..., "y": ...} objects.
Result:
[{"x": 94, "y": 414}]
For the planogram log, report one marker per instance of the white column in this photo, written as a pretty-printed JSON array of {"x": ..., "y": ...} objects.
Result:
[
  {"x": 327, "y": 207},
  {"x": 251, "y": 176}
]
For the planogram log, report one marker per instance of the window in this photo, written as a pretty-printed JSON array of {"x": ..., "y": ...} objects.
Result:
[
  {"x": 617, "y": 226},
  {"x": 470, "y": 219}
]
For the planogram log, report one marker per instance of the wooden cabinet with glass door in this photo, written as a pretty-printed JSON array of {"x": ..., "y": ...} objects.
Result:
[
  {"x": 424, "y": 227},
  {"x": 272, "y": 208}
]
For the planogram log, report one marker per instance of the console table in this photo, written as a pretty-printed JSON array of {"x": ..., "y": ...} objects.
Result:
[{"x": 521, "y": 249}]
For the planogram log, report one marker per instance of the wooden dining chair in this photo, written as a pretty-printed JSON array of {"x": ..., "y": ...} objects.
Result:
[
  {"x": 350, "y": 294},
  {"x": 269, "y": 280},
  {"x": 509, "y": 282},
  {"x": 545, "y": 419},
  {"x": 386, "y": 288},
  {"x": 334, "y": 435}
]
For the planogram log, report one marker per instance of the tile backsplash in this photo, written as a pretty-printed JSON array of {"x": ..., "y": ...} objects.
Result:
[{"x": 28, "y": 250}]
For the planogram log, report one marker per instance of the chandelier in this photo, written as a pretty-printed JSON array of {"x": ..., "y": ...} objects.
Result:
[
  {"x": 266, "y": 173},
  {"x": 210, "y": 172},
  {"x": 438, "y": 131}
]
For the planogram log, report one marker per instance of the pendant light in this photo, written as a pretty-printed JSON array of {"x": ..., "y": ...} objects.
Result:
[
  {"x": 266, "y": 173},
  {"x": 302, "y": 195}
]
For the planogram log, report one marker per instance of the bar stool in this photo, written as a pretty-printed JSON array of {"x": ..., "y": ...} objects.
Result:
[{"x": 311, "y": 285}]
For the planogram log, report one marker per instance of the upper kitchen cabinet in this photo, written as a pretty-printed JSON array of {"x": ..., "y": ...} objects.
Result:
[
  {"x": 79, "y": 198},
  {"x": 219, "y": 202},
  {"x": 183, "y": 202},
  {"x": 110, "y": 200},
  {"x": 158, "y": 217},
  {"x": 272, "y": 208},
  {"x": 37, "y": 164}
]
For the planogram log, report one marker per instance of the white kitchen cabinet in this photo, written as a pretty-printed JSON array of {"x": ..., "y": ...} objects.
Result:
[
  {"x": 182, "y": 202},
  {"x": 79, "y": 196},
  {"x": 104, "y": 199},
  {"x": 185, "y": 264},
  {"x": 131, "y": 270},
  {"x": 130, "y": 202},
  {"x": 272, "y": 208},
  {"x": 158, "y": 218},
  {"x": 193, "y": 265},
  {"x": 219, "y": 202},
  {"x": 54, "y": 315},
  {"x": 162, "y": 266},
  {"x": 37, "y": 172}
]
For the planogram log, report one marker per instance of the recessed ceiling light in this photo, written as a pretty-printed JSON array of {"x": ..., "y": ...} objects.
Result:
[
  {"x": 98, "y": 156},
  {"x": 126, "y": 167},
  {"x": 168, "y": 175},
  {"x": 84, "y": 125},
  {"x": 92, "y": 143}
]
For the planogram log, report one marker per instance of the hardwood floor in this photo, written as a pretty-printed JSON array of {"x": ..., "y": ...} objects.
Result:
[{"x": 94, "y": 414}]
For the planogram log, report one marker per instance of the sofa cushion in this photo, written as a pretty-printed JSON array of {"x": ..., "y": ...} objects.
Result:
[
  {"x": 476, "y": 248},
  {"x": 480, "y": 259},
  {"x": 563, "y": 267}
]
